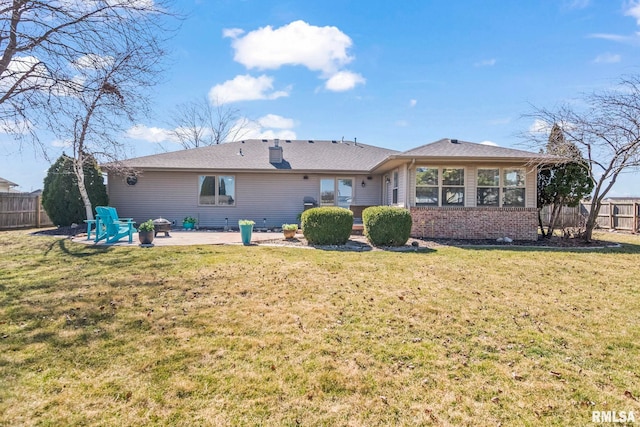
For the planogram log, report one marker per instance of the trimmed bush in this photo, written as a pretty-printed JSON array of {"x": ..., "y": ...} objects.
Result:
[
  {"x": 386, "y": 225},
  {"x": 327, "y": 225}
]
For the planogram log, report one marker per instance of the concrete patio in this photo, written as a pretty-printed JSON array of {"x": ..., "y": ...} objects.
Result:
[{"x": 189, "y": 237}]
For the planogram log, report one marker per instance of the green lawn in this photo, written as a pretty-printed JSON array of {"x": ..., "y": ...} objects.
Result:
[{"x": 212, "y": 335}]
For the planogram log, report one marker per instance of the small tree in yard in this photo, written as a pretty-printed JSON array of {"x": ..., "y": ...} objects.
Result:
[
  {"x": 79, "y": 70},
  {"x": 61, "y": 197},
  {"x": 561, "y": 184},
  {"x": 606, "y": 133}
]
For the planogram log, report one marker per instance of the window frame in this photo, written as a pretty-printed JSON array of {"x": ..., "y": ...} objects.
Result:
[
  {"x": 502, "y": 187},
  {"x": 216, "y": 195},
  {"x": 517, "y": 186},
  {"x": 336, "y": 192},
  {"x": 440, "y": 186}
]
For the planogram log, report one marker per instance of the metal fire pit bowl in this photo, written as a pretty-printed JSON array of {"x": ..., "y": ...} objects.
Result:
[{"x": 162, "y": 224}]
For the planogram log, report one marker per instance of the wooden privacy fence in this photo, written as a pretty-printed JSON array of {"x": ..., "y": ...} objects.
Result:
[
  {"x": 614, "y": 215},
  {"x": 22, "y": 210},
  {"x": 617, "y": 215}
]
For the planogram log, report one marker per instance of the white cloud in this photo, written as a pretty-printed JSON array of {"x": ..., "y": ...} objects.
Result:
[
  {"x": 413, "y": 102},
  {"x": 607, "y": 58},
  {"x": 232, "y": 32},
  {"x": 576, "y": 4},
  {"x": 402, "y": 123},
  {"x": 344, "y": 80},
  {"x": 539, "y": 126},
  {"x": 612, "y": 37},
  {"x": 275, "y": 121},
  {"x": 245, "y": 88},
  {"x": 485, "y": 63},
  {"x": 64, "y": 143},
  {"x": 93, "y": 62},
  {"x": 633, "y": 10},
  {"x": 298, "y": 43},
  {"x": 150, "y": 134},
  {"x": 15, "y": 126},
  {"x": 491, "y": 143},
  {"x": 257, "y": 130}
]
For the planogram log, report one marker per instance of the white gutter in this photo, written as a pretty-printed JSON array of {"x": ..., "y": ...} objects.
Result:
[{"x": 406, "y": 188}]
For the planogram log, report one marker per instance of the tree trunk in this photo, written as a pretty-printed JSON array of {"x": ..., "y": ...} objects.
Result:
[
  {"x": 79, "y": 171},
  {"x": 540, "y": 223},
  {"x": 592, "y": 219}
]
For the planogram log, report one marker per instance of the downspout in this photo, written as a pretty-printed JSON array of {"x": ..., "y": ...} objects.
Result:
[{"x": 406, "y": 188}]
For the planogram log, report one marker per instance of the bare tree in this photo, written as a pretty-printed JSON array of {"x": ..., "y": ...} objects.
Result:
[
  {"x": 80, "y": 69},
  {"x": 200, "y": 122},
  {"x": 607, "y": 133},
  {"x": 43, "y": 42}
]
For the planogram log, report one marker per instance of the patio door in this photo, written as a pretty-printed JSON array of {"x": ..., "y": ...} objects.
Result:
[
  {"x": 345, "y": 192},
  {"x": 336, "y": 192}
]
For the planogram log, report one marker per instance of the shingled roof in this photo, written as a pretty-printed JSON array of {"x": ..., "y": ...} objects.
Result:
[
  {"x": 253, "y": 154},
  {"x": 458, "y": 149}
]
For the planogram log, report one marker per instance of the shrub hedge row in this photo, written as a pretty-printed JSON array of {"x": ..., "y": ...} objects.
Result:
[
  {"x": 327, "y": 225},
  {"x": 386, "y": 225}
]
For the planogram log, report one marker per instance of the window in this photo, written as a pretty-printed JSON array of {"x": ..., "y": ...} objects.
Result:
[
  {"x": 453, "y": 187},
  {"x": 506, "y": 189},
  {"x": 218, "y": 191},
  {"x": 327, "y": 192},
  {"x": 488, "y": 187},
  {"x": 513, "y": 181},
  {"x": 345, "y": 192},
  {"x": 395, "y": 188},
  {"x": 343, "y": 187},
  {"x": 426, "y": 186},
  {"x": 439, "y": 187}
]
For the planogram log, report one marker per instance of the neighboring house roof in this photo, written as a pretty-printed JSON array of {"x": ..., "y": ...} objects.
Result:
[
  {"x": 7, "y": 183},
  {"x": 253, "y": 154},
  {"x": 457, "y": 148}
]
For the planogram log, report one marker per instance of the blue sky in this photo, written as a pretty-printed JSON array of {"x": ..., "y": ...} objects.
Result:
[{"x": 392, "y": 74}]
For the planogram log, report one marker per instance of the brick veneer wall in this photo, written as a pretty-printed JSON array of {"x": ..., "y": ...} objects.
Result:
[{"x": 475, "y": 223}]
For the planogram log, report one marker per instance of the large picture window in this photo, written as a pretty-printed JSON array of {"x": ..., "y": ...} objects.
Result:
[
  {"x": 217, "y": 190},
  {"x": 501, "y": 189},
  {"x": 439, "y": 186}
]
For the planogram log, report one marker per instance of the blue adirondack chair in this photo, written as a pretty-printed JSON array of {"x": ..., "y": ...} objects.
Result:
[{"x": 110, "y": 227}]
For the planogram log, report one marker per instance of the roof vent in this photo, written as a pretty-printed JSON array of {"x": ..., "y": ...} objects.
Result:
[
  {"x": 265, "y": 140},
  {"x": 276, "y": 142},
  {"x": 454, "y": 141},
  {"x": 311, "y": 141}
]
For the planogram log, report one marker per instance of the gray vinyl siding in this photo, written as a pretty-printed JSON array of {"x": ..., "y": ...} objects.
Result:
[{"x": 269, "y": 199}]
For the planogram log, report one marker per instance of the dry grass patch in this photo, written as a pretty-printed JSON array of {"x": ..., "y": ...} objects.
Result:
[{"x": 281, "y": 336}]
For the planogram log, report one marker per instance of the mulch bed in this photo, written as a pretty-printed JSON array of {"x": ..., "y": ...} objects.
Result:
[{"x": 360, "y": 243}]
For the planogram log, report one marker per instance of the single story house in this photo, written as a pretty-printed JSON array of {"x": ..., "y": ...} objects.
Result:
[{"x": 453, "y": 189}]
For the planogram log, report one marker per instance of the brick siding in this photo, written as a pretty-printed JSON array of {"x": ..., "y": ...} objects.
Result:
[{"x": 475, "y": 223}]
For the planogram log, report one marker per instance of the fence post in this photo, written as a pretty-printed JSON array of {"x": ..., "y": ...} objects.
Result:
[
  {"x": 38, "y": 209},
  {"x": 611, "y": 223},
  {"x": 636, "y": 225}
]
